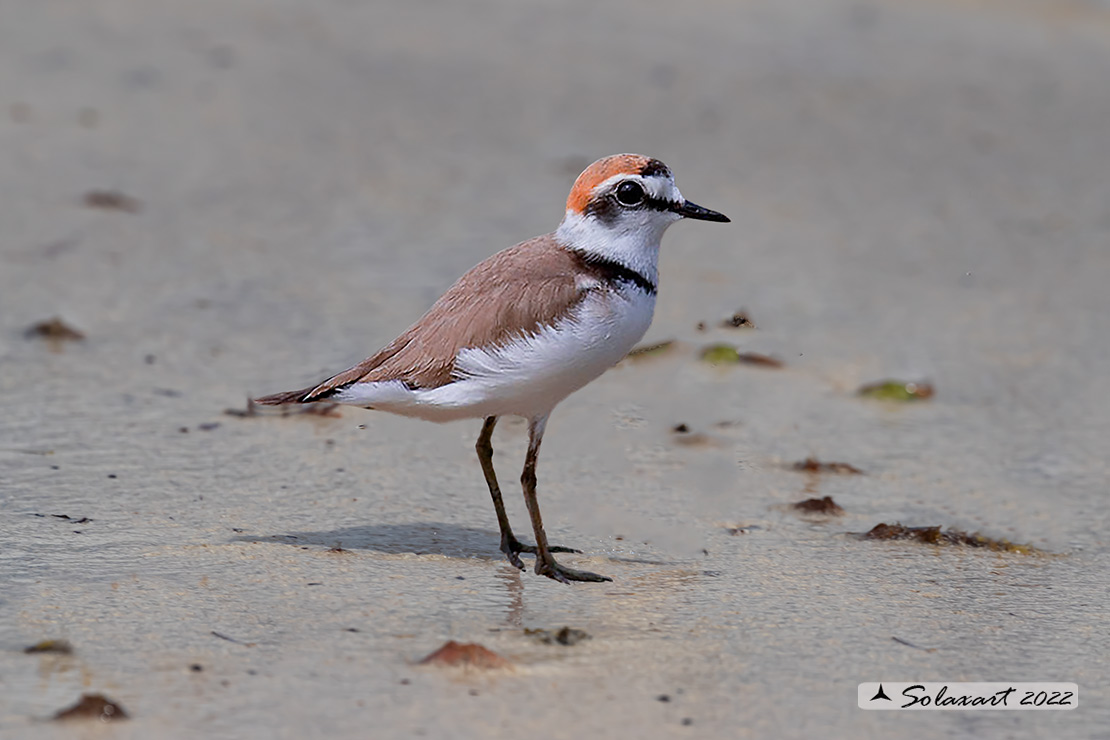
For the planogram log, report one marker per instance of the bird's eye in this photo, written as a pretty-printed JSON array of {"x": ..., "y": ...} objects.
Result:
[{"x": 630, "y": 193}]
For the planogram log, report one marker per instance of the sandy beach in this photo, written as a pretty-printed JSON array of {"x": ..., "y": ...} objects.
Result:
[{"x": 231, "y": 199}]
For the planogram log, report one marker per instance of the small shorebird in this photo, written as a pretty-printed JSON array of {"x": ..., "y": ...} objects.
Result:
[{"x": 527, "y": 327}]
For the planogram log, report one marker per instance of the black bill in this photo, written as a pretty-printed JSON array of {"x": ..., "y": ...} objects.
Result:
[{"x": 693, "y": 210}]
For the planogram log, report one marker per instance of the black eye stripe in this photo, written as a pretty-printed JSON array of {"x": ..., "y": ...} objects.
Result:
[
  {"x": 647, "y": 201},
  {"x": 659, "y": 204},
  {"x": 608, "y": 210}
]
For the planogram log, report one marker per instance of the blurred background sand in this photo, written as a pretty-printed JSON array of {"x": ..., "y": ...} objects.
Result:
[{"x": 918, "y": 190}]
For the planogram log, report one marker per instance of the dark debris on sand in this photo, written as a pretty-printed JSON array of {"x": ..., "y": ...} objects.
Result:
[
  {"x": 683, "y": 435},
  {"x": 55, "y": 647},
  {"x": 937, "y": 536},
  {"x": 813, "y": 465},
  {"x": 564, "y": 636},
  {"x": 738, "y": 320},
  {"x": 112, "y": 200},
  {"x": 93, "y": 706},
  {"x": 469, "y": 655},
  {"x": 824, "y": 505},
  {"x": 54, "y": 329}
]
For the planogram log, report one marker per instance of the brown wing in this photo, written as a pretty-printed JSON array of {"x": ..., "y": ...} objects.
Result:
[{"x": 511, "y": 294}]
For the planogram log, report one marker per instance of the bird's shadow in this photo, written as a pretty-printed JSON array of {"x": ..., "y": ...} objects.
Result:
[
  {"x": 418, "y": 538},
  {"x": 415, "y": 538}
]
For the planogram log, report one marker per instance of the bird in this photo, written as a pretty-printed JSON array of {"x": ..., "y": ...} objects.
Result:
[{"x": 528, "y": 326}]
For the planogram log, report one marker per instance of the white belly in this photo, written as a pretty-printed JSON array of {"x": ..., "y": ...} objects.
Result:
[{"x": 530, "y": 375}]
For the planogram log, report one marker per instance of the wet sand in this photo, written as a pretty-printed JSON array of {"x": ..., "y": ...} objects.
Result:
[{"x": 233, "y": 199}]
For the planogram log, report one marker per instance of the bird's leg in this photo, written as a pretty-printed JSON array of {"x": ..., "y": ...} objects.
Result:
[
  {"x": 545, "y": 562},
  {"x": 510, "y": 545}
]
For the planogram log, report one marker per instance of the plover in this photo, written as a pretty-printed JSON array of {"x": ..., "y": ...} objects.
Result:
[{"x": 530, "y": 325}]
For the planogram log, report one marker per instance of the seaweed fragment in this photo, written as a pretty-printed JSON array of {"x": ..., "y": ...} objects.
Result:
[
  {"x": 726, "y": 354},
  {"x": 655, "y": 349},
  {"x": 897, "y": 390}
]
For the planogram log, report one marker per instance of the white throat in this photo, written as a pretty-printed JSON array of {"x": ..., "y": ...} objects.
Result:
[{"x": 634, "y": 243}]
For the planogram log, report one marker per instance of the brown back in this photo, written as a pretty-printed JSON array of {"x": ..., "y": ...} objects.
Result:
[{"x": 512, "y": 294}]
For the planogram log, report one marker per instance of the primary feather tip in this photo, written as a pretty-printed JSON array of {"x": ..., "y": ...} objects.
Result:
[{"x": 277, "y": 399}]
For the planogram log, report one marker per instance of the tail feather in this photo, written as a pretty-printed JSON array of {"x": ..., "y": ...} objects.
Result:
[{"x": 278, "y": 399}]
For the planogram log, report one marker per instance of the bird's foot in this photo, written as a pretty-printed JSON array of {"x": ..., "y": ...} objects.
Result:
[
  {"x": 562, "y": 574},
  {"x": 512, "y": 547}
]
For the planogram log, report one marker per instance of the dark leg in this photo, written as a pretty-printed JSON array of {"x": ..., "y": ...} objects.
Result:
[
  {"x": 510, "y": 545},
  {"x": 545, "y": 563}
]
